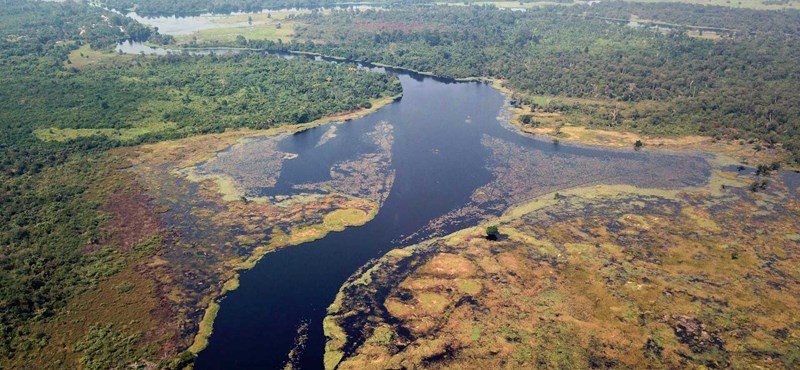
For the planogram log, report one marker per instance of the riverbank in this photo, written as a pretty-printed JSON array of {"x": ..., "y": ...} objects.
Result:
[
  {"x": 573, "y": 128},
  {"x": 561, "y": 127},
  {"x": 601, "y": 272},
  {"x": 220, "y": 198}
]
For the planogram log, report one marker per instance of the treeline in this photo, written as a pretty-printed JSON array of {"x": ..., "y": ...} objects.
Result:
[
  {"x": 198, "y": 94},
  {"x": 738, "y": 21},
  {"x": 30, "y": 28},
  {"x": 190, "y": 95},
  {"x": 743, "y": 87},
  {"x": 50, "y": 190},
  {"x": 197, "y": 7}
]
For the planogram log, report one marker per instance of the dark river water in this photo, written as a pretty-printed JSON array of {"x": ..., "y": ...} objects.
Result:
[{"x": 439, "y": 161}]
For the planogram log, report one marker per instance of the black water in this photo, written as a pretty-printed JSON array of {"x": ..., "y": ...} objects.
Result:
[{"x": 439, "y": 162}]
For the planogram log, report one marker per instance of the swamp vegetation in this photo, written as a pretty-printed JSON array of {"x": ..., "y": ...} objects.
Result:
[
  {"x": 135, "y": 188},
  {"x": 73, "y": 220},
  {"x": 594, "y": 277}
]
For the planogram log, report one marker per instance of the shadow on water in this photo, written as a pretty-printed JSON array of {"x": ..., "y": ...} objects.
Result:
[{"x": 439, "y": 160}]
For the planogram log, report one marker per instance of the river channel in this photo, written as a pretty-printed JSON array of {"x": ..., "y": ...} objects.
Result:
[{"x": 445, "y": 134}]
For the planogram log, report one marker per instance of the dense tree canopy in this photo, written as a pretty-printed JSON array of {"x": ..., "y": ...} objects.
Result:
[
  {"x": 55, "y": 120},
  {"x": 742, "y": 86}
]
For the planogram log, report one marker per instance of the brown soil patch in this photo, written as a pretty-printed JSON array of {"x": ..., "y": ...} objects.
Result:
[
  {"x": 131, "y": 221},
  {"x": 449, "y": 265}
]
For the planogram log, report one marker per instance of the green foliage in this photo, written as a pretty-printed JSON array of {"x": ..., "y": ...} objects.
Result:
[
  {"x": 742, "y": 86},
  {"x": 197, "y": 7},
  {"x": 492, "y": 230},
  {"x": 48, "y": 221},
  {"x": 150, "y": 99},
  {"x": 711, "y": 18},
  {"x": 175, "y": 96},
  {"x": 105, "y": 348},
  {"x": 52, "y": 242},
  {"x": 184, "y": 360}
]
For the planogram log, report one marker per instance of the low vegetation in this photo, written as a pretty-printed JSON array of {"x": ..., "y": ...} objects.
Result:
[{"x": 701, "y": 277}]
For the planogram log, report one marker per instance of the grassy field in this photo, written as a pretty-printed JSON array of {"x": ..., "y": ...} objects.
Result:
[
  {"x": 259, "y": 26},
  {"x": 255, "y": 32},
  {"x": 86, "y": 56},
  {"x": 128, "y": 134}
]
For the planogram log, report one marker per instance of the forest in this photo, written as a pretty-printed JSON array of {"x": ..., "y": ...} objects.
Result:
[
  {"x": 739, "y": 22},
  {"x": 197, "y": 7},
  {"x": 741, "y": 85},
  {"x": 57, "y": 123}
]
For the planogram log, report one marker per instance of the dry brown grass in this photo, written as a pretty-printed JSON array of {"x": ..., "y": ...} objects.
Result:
[{"x": 697, "y": 279}]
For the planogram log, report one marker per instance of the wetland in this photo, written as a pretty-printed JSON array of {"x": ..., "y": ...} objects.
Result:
[
  {"x": 223, "y": 195},
  {"x": 447, "y": 159}
]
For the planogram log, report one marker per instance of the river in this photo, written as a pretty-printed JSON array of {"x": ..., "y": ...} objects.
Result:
[
  {"x": 440, "y": 156},
  {"x": 439, "y": 160}
]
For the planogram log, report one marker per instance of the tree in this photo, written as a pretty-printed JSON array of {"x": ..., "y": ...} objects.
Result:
[
  {"x": 638, "y": 145},
  {"x": 526, "y": 119},
  {"x": 491, "y": 232},
  {"x": 241, "y": 40}
]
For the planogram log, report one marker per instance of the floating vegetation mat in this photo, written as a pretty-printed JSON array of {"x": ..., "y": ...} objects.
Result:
[
  {"x": 611, "y": 276},
  {"x": 368, "y": 176},
  {"x": 199, "y": 191},
  {"x": 522, "y": 172}
]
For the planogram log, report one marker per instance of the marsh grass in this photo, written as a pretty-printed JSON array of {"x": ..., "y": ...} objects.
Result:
[{"x": 601, "y": 276}]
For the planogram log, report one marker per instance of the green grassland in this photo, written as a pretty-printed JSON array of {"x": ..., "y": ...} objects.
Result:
[
  {"x": 122, "y": 135},
  {"x": 85, "y": 56},
  {"x": 271, "y": 26}
]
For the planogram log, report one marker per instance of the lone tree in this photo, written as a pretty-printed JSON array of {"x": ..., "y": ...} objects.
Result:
[
  {"x": 638, "y": 145},
  {"x": 526, "y": 119},
  {"x": 491, "y": 232}
]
